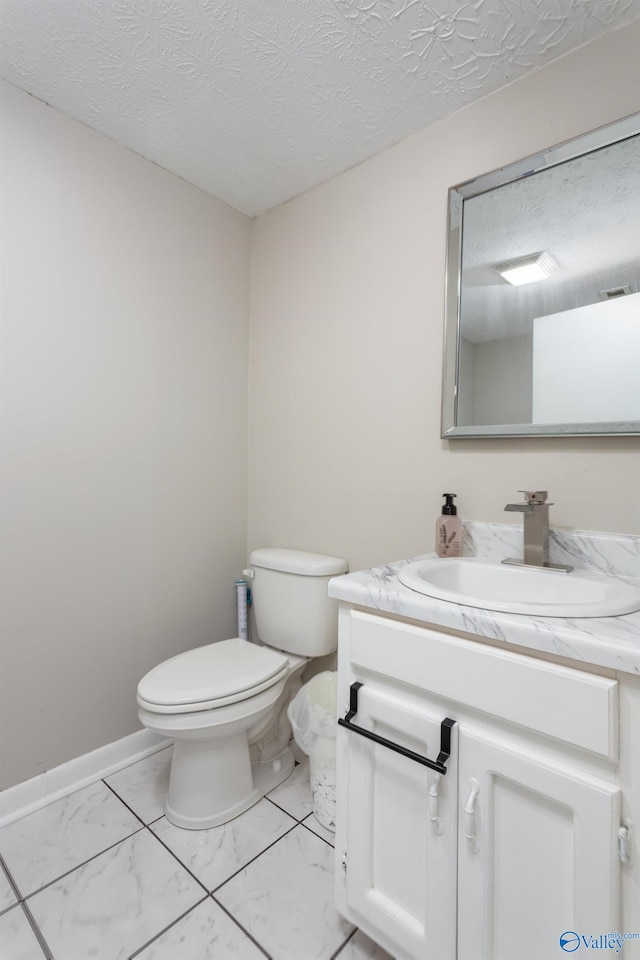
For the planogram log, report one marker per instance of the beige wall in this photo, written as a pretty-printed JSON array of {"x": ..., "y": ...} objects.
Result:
[
  {"x": 502, "y": 381},
  {"x": 125, "y": 305},
  {"x": 346, "y": 344}
]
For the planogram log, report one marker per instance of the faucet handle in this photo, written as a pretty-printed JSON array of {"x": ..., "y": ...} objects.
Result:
[{"x": 535, "y": 497}]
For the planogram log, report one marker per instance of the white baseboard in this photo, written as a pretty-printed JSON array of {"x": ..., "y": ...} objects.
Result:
[{"x": 24, "y": 798}]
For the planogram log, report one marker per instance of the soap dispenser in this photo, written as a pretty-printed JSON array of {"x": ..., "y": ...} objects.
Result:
[{"x": 449, "y": 529}]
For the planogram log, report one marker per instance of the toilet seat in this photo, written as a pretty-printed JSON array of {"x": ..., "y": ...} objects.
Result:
[{"x": 211, "y": 676}]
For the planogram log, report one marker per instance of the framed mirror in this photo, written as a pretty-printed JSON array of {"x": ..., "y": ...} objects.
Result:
[{"x": 542, "y": 328}]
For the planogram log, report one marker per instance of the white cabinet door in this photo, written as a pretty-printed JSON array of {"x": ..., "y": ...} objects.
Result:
[
  {"x": 537, "y": 854},
  {"x": 401, "y": 829}
]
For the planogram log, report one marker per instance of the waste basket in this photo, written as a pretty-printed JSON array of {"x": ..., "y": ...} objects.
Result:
[{"x": 312, "y": 714}]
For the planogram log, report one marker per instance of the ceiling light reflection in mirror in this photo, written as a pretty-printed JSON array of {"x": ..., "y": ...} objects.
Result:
[{"x": 543, "y": 312}]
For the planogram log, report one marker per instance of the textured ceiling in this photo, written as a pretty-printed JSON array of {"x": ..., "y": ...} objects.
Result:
[{"x": 257, "y": 101}]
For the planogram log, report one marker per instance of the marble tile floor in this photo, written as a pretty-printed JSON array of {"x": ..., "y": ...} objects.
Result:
[{"x": 102, "y": 874}]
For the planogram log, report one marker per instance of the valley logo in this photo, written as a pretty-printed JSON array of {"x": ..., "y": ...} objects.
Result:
[{"x": 570, "y": 941}]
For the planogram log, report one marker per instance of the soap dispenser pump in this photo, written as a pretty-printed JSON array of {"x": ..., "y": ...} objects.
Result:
[{"x": 449, "y": 529}]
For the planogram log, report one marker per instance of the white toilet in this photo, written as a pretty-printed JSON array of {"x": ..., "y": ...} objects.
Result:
[{"x": 225, "y": 704}]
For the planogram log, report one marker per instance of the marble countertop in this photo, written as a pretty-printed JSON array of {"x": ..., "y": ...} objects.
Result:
[{"x": 612, "y": 642}]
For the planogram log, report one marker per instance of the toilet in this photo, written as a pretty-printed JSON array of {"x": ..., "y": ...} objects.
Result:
[{"x": 225, "y": 704}]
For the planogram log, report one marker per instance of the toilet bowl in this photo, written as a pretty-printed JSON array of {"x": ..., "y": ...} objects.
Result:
[
  {"x": 213, "y": 722},
  {"x": 225, "y": 703}
]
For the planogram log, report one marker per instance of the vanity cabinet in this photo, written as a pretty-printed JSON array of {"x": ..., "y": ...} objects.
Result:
[{"x": 518, "y": 841}]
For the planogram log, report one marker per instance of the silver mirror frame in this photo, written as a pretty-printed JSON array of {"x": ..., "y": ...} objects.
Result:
[{"x": 568, "y": 150}]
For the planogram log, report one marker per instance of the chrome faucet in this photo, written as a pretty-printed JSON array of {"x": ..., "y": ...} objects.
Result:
[{"x": 535, "y": 510}]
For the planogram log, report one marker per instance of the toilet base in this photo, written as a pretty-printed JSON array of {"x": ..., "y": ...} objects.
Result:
[{"x": 228, "y": 791}]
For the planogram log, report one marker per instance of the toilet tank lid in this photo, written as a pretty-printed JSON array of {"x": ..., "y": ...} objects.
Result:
[{"x": 297, "y": 561}]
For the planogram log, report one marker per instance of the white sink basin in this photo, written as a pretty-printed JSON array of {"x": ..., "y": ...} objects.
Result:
[{"x": 512, "y": 589}]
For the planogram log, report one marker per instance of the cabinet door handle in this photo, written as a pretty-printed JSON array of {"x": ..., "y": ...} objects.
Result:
[
  {"x": 445, "y": 736},
  {"x": 433, "y": 804},
  {"x": 470, "y": 815}
]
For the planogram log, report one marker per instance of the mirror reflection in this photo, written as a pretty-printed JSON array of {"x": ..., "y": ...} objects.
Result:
[{"x": 547, "y": 296}]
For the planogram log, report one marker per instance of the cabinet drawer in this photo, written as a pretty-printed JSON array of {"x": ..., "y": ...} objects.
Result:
[{"x": 568, "y": 705}]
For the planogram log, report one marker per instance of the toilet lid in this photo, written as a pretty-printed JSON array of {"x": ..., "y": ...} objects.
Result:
[{"x": 213, "y": 672}]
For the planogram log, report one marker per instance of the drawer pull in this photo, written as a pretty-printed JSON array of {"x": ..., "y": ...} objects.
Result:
[{"x": 445, "y": 736}]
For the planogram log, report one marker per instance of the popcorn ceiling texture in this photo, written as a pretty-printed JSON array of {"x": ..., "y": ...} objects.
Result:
[{"x": 257, "y": 101}]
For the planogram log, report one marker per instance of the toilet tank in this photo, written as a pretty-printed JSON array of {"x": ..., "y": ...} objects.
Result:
[{"x": 292, "y": 610}]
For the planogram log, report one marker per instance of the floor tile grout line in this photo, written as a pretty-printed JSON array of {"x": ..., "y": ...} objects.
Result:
[
  {"x": 95, "y": 856},
  {"x": 148, "y": 943},
  {"x": 177, "y": 858},
  {"x": 284, "y": 810},
  {"x": 253, "y": 859},
  {"x": 311, "y": 830},
  {"x": 13, "y": 883},
  {"x": 37, "y": 932},
  {"x": 124, "y": 802},
  {"x": 238, "y": 924},
  {"x": 301, "y": 822},
  {"x": 337, "y": 953}
]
